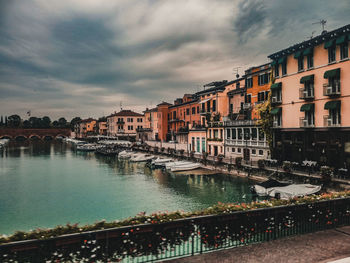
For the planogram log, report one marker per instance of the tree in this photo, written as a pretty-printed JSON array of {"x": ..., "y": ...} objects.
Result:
[
  {"x": 62, "y": 122},
  {"x": 35, "y": 122},
  {"x": 14, "y": 121},
  {"x": 26, "y": 124},
  {"x": 2, "y": 121},
  {"x": 45, "y": 122},
  {"x": 6, "y": 121},
  {"x": 55, "y": 124},
  {"x": 74, "y": 121}
]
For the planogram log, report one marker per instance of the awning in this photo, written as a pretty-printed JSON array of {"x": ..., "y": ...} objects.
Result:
[
  {"x": 332, "y": 73},
  {"x": 276, "y": 86},
  {"x": 307, "y": 107},
  {"x": 308, "y": 51},
  {"x": 331, "y": 105},
  {"x": 282, "y": 60},
  {"x": 308, "y": 78},
  {"x": 274, "y": 63},
  {"x": 340, "y": 40},
  {"x": 329, "y": 43},
  {"x": 298, "y": 54},
  {"x": 204, "y": 101},
  {"x": 276, "y": 111}
]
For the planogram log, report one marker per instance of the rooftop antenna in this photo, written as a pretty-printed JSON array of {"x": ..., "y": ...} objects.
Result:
[
  {"x": 322, "y": 22},
  {"x": 235, "y": 70},
  {"x": 121, "y": 105}
]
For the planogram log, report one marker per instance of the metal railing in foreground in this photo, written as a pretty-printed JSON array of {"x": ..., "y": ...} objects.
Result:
[{"x": 184, "y": 237}]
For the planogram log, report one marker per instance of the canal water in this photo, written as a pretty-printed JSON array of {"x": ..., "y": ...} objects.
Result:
[{"x": 44, "y": 184}]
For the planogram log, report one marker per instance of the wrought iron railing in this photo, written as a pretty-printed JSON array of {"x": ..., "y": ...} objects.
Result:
[{"x": 183, "y": 237}]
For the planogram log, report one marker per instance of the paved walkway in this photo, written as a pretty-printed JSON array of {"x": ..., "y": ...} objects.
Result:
[{"x": 323, "y": 246}]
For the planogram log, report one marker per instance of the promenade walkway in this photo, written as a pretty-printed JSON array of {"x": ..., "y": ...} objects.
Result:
[{"x": 324, "y": 246}]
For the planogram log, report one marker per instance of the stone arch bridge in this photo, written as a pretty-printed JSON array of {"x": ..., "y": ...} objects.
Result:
[{"x": 17, "y": 134}]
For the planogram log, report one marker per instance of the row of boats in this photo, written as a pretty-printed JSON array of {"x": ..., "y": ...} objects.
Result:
[{"x": 158, "y": 162}]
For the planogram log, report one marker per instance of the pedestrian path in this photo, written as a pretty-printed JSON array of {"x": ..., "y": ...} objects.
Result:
[{"x": 324, "y": 246}]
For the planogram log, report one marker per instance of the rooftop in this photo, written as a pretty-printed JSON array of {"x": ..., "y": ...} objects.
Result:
[{"x": 126, "y": 113}]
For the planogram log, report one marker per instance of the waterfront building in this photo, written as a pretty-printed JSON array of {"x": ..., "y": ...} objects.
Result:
[
  {"x": 101, "y": 127},
  {"x": 311, "y": 99},
  {"x": 243, "y": 137},
  {"x": 213, "y": 103},
  {"x": 123, "y": 124},
  {"x": 150, "y": 128},
  {"x": 84, "y": 128}
]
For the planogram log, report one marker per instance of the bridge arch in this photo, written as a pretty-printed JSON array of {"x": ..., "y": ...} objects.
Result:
[
  {"x": 60, "y": 136},
  {"x": 34, "y": 137},
  {"x": 21, "y": 137},
  {"x": 6, "y": 137}
]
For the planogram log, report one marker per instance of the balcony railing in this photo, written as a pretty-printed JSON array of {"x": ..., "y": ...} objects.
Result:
[
  {"x": 305, "y": 94},
  {"x": 252, "y": 143},
  {"x": 276, "y": 99},
  {"x": 331, "y": 89},
  {"x": 247, "y": 106},
  {"x": 204, "y": 111},
  {"x": 330, "y": 122},
  {"x": 120, "y": 122},
  {"x": 304, "y": 123},
  {"x": 241, "y": 123}
]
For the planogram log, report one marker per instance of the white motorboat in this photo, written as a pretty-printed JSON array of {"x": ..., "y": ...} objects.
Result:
[
  {"x": 160, "y": 162},
  {"x": 125, "y": 154},
  {"x": 86, "y": 147},
  {"x": 172, "y": 164},
  {"x": 293, "y": 190},
  {"x": 185, "y": 167},
  {"x": 141, "y": 158}
]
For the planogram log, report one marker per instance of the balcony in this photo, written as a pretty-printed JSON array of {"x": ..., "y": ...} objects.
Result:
[
  {"x": 276, "y": 100},
  {"x": 241, "y": 123},
  {"x": 306, "y": 94},
  {"x": 305, "y": 123},
  {"x": 328, "y": 121},
  {"x": 121, "y": 131},
  {"x": 251, "y": 143},
  {"x": 120, "y": 122},
  {"x": 331, "y": 89},
  {"x": 247, "y": 106},
  {"x": 204, "y": 112}
]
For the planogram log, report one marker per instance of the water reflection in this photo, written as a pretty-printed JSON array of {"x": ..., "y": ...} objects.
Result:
[{"x": 46, "y": 183}]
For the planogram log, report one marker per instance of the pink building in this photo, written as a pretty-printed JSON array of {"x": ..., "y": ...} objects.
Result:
[
  {"x": 124, "y": 124},
  {"x": 311, "y": 96}
]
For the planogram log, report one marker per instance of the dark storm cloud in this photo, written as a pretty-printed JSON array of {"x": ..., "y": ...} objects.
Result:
[
  {"x": 250, "y": 19},
  {"x": 77, "y": 57}
]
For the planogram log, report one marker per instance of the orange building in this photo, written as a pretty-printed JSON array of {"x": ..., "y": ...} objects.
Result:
[
  {"x": 85, "y": 128},
  {"x": 311, "y": 96}
]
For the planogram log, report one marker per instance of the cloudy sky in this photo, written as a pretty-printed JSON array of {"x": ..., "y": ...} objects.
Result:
[{"x": 85, "y": 57}]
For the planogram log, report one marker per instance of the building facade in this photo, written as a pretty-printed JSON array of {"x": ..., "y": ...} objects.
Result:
[
  {"x": 124, "y": 124},
  {"x": 85, "y": 128},
  {"x": 311, "y": 99}
]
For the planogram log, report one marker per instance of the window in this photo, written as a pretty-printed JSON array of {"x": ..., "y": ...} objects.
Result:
[
  {"x": 284, "y": 68},
  {"x": 233, "y": 150},
  {"x": 208, "y": 106},
  {"x": 261, "y": 152},
  {"x": 239, "y": 133},
  {"x": 266, "y": 95},
  {"x": 214, "y": 105},
  {"x": 249, "y": 82},
  {"x": 238, "y": 85},
  {"x": 248, "y": 98},
  {"x": 231, "y": 107},
  {"x": 331, "y": 54},
  {"x": 239, "y": 150},
  {"x": 261, "y": 96},
  {"x": 254, "y": 134},
  {"x": 254, "y": 151},
  {"x": 263, "y": 79},
  {"x": 174, "y": 114},
  {"x": 221, "y": 134},
  {"x": 228, "y": 133},
  {"x": 344, "y": 51},
  {"x": 216, "y": 133},
  {"x": 187, "y": 111},
  {"x": 233, "y": 133},
  {"x": 261, "y": 135},
  {"x": 197, "y": 109},
  {"x": 193, "y": 110},
  {"x": 300, "y": 63},
  {"x": 310, "y": 61},
  {"x": 203, "y": 144}
]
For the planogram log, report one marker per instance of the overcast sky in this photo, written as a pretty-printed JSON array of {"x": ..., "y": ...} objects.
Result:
[{"x": 85, "y": 57}]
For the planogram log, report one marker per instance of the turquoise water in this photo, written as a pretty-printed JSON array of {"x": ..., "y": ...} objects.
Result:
[{"x": 44, "y": 184}]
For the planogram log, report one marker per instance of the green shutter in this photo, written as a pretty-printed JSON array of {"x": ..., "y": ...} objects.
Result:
[
  {"x": 340, "y": 40},
  {"x": 274, "y": 63},
  {"x": 298, "y": 54},
  {"x": 332, "y": 73},
  {"x": 276, "y": 111},
  {"x": 309, "y": 78},
  {"x": 331, "y": 105},
  {"x": 329, "y": 43},
  {"x": 307, "y": 107},
  {"x": 307, "y": 51},
  {"x": 276, "y": 86},
  {"x": 281, "y": 60}
]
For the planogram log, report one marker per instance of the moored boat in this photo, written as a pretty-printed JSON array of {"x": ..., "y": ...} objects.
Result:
[{"x": 185, "y": 167}]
